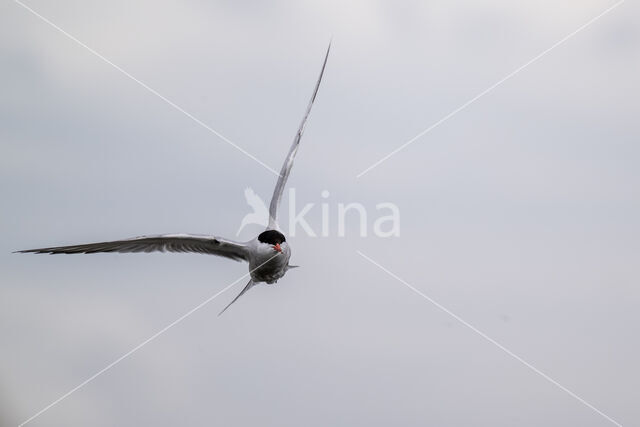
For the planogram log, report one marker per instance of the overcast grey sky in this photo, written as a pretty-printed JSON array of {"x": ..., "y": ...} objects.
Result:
[{"x": 521, "y": 214}]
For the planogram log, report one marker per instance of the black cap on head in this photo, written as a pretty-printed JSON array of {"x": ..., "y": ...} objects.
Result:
[{"x": 272, "y": 237}]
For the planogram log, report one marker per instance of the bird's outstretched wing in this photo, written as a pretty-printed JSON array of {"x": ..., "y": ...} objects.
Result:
[
  {"x": 250, "y": 285},
  {"x": 288, "y": 163},
  {"x": 210, "y": 245}
]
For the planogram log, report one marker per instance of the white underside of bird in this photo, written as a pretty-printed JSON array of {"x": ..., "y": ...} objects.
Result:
[{"x": 268, "y": 253}]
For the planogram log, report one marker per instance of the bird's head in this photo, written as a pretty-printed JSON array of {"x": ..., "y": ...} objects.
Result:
[{"x": 273, "y": 238}]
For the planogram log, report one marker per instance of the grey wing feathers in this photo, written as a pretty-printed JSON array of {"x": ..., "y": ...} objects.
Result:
[
  {"x": 168, "y": 242},
  {"x": 288, "y": 163}
]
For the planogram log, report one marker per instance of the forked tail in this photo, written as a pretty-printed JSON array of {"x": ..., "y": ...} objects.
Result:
[{"x": 246, "y": 288}]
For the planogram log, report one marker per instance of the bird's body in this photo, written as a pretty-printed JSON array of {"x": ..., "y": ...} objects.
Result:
[
  {"x": 268, "y": 254},
  {"x": 263, "y": 265}
]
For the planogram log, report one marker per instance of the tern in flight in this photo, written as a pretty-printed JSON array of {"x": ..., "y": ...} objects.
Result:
[{"x": 268, "y": 254}]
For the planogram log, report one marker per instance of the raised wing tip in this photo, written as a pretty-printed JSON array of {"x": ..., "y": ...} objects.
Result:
[{"x": 326, "y": 56}]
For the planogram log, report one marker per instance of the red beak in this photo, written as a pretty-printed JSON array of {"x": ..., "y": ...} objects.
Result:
[{"x": 277, "y": 247}]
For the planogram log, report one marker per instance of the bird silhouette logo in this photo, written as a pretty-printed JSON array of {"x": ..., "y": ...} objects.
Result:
[{"x": 260, "y": 214}]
